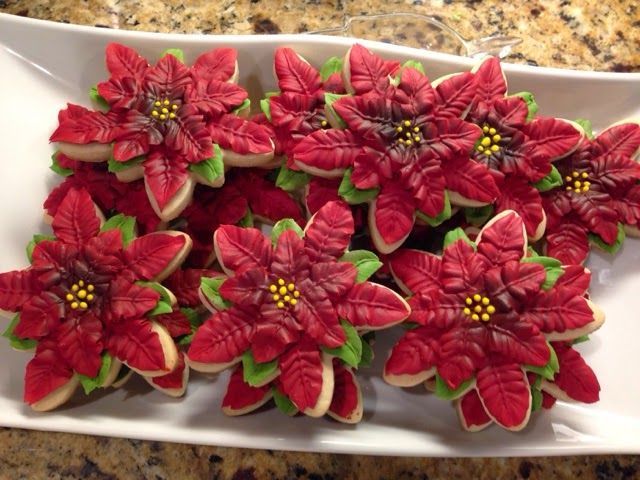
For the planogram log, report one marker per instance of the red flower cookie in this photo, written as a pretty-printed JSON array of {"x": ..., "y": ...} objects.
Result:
[
  {"x": 291, "y": 305},
  {"x": 87, "y": 302},
  {"x": 485, "y": 314},
  {"x": 172, "y": 125}
]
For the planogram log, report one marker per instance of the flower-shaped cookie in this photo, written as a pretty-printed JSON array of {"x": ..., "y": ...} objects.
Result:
[
  {"x": 402, "y": 149},
  {"x": 484, "y": 315},
  {"x": 172, "y": 125},
  {"x": 595, "y": 195},
  {"x": 291, "y": 304},
  {"x": 88, "y": 300}
]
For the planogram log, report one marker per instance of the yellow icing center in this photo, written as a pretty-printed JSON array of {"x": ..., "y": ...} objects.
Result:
[
  {"x": 407, "y": 133},
  {"x": 284, "y": 294},
  {"x": 577, "y": 182},
  {"x": 80, "y": 295},
  {"x": 164, "y": 110},
  {"x": 490, "y": 141},
  {"x": 478, "y": 308}
]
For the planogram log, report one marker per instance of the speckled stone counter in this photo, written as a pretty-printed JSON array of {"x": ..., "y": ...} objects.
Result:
[{"x": 585, "y": 34}]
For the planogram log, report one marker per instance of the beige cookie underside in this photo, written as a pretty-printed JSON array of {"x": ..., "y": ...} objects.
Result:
[
  {"x": 58, "y": 397},
  {"x": 173, "y": 392},
  {"x": 356, "y": 415},
  {"x": 249, "y": 408}
]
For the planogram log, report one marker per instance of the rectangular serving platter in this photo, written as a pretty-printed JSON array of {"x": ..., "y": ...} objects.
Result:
[{"x": 44, "y": 65}]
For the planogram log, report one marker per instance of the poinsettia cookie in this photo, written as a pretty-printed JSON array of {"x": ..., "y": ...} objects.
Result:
[
  {"x": 400, "y": 145},
  {"x": 172, "y": 125},
  {"x": 289, "y": 308},
  {"x": 88, "y": 302},
  {"x": 595, "y": 196},
  {"x": 484, "y": 314}
]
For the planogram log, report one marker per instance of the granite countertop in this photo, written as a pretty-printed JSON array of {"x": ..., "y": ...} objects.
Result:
[{"x": 579, "y": 34}]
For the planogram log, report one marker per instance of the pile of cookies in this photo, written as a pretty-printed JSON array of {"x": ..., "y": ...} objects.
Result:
[{"x": 192, "y": 232}]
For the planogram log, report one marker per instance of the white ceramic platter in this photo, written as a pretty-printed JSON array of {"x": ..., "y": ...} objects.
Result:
[{"x": 43, "y": 65}]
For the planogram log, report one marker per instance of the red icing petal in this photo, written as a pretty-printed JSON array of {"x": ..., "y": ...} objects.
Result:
[
  {"x": 329, "y": 231},
  {"x": 346, "y": 393},
  {"x": 455, "y": 94},
  {"x": 473, "y": 414},
  {"x": 489, "y": 80},
  {"x": 511, "y": 112},
  {"x": 426, "y": 182},
  {"x": 266, "y": 200},
  {"x": 622, "y": 139},
  {"x": 168, "y": 78},
  {"x": 294, "y": 74},
  {"x": 301, "y": 375},
  {"x": 503, "y": 240},
  {"x": 462, "y": 351},
  {"x": 558, "y": 310},
  {"x": 173, "y": 380},
  {"x": 241, "y": 136},
  {"x": 136, "y": 344},
  {"x": 368, "y": 72},
  {"x": 394, "y": 214},
  {"x": 218, "y": 64},
  {"x": 548, "y": 401},
  {"x": 554, "y": 137},
  {"x": 288, "y": 255},
  {"x": 39, "y": 316},
  {"x": 514, "y": 281},
  {"x": 575, "y": 377},
  {"x": 88, "y": 127},
  {"x": 327, "y": 150},
  {"x": 472, "y": 180},
  {"x": 575, "y": 277},
  {"x": 223, "y": 337},
  {"x": 416, "y": 352},
  {"x": 176, "y": 323},
  {"x": 241, "y": 395},
  {"x": 247, "y": 287},
  {"x": 46, "y": 372},
  {"x": 165, "y": 174},
  {"x": 518, "y": 341},
  {"x": 596, "y": 213},
  {"x": 518, "y": 195},
  {"x": 277, "y": 329},
  {"x": 461, "y": 268},
  {"x": 185, "y": 283},
  {"x": 320, "y": 192},
  {"x": 372, "y": 306},
  {"x": 76, "y": 220},
  {"x": 16, "y": 288},
  {"x": 150, "y": 255},
  {"x": 120, "y": 92},
  {"x": 214, "y": 97},
  {"x": 188, "y": 135},
  {"x": 318, "y": 317},
  {"x": 414, "y": 93},
  {"x": 123, "y": 61},
  {"x": 79, "y": 342},
  {"x": 505, "y": 394},
  {"x": 568, "y": 243},
  {"x": 614, "y": 172},
  {"x": 239, "y": 248},
  {"x": 129, "y": 300},
  {"x": 335, "y": 278}
]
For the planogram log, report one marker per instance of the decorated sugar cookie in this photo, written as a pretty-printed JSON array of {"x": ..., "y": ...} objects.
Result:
[
  {"x": 484, "y": 314},
  {"x": 403, "y": 149},
  {"x": 290, "y": 307},
  {"x": 517, "y": 145},
  {"x": 595, "y": 196},
  {"x": 87, "y": 302},
  {"x": 172, "y": 125}
]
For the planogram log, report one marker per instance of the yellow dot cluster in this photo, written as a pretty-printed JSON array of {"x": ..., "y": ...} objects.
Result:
[
  {"x": 80, "y": 295},
  {"x": 489, "y": 143},
  {"x": 284, "y": 294},
  {"x": 164, "y": 109},
  {"x": 478, "y": 307},
  {"x": 407, "y": 133},
  {"x": 577, "y": 182},
  {"x": 324, "y": 124}
]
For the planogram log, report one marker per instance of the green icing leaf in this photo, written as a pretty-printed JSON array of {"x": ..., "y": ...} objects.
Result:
[
  {"x": 126, "y": 225},
  {"x": 443, "y": 391},
  {"x": 210, "y": 287},
  {"x": 550, "y": 369},
  {"x": 176, "y": 52},
  {"x": 552, "y": 267},
  {"x": 255, "y": 373},
  {"x": 351, "y": 351},
  {"x": 536, "y": 399},
  {"x": 455, "y": 235},
  {"x": 531, "y": 103},
  {"x": 195, "y": 320},
  {"x": 90, "y": 384},
  {"x": 15, "y": 342},
  {"x": 605, "y": 246},
  {"x": 281, "y": 226},
  {"x": 353, "y": 195},
  {"x": 98, "y": 99},
  {"x": 55, "y": 166},
  {"x": 247, "y": 220},
  {"x": 331, "y": 66},
  {"x": 291, "y": 180},
  {"x": 265, "y": 106},
  {"x": 365, "y": 261},
  {"x": 367, "y": 354},
  {"x": 444, "y": 215},
  {"x": 164, "y": 305},
  {"x": 115, "y": 166},
  {"x": 409, "y": 325},
  {"x": 329, "y": 100},
  {"x": 245, "y": 105},
  {"x": 37, "y": 238},
  {"x": 413, "y": 64},
  {"x": 553, "y": 180},
  {"x": 283, "y": 403},
  {"x": 586, "y": 126},
  {"x": 531, "y": 252},
  {"x": 582, "y": 339},
  {"x": 478, "y": 215},
  {"x": 211, "y": 168}
]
